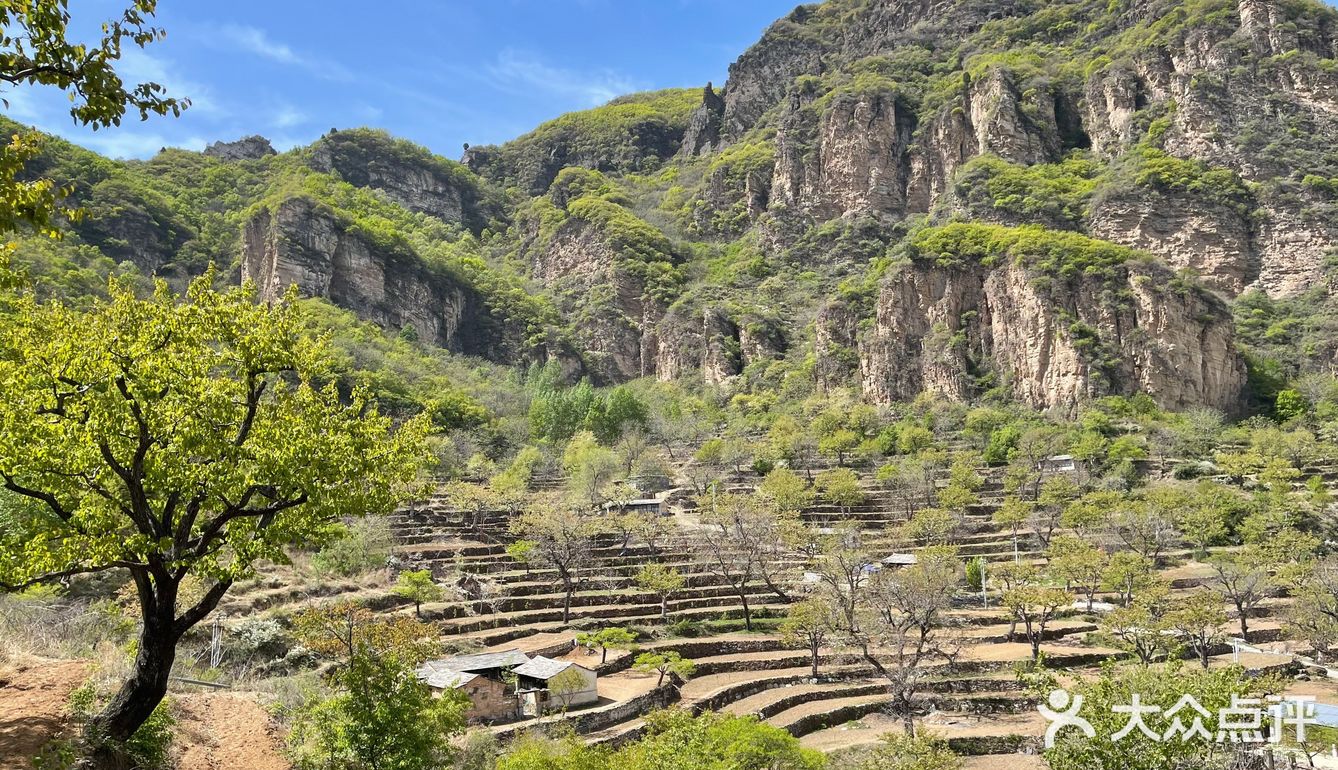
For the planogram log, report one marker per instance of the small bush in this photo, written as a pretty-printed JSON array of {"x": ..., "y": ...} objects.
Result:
[{"x": 364, "y": 547}]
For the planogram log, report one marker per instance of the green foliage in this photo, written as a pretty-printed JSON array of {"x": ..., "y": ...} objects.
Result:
[
  {"x": 381, "y": 714},
  {"x": 1157, "y": 687},
  {"x": 1048, "y": 252},
  {"x": 1053, "y": 193},
  {"x": 418, "y": 587},
  {"x": 355, "y": 549},
  {"x": 631, "y": 133}
]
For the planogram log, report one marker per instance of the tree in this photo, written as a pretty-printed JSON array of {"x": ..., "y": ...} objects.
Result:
[
  {"x": 838, "y": 444},
  {"x": 606, "y": 639},
  {"x": 1243, "y": 580},
  {"x": 785, "y": 492},
  {"x": 903, "y": 615},
  {"x": 35, "y": 49},
  {"x": 841, "y": 488},
  {"x": 558, "y": 538},
  {"x": 1198, "y": 619},
  {"x": 1125, "y": 573},
  {"x": 590, "y": 468},
  {"x": 665, "y": 662},
  {"x": 738, "y": 540},
  {"x": 1035, "y": 606},
  {"x": 808, "y": 623},
  {"x": 676, "y": 740},
  {"x": 177, "y": 439},
  {"x": 1013, "y": 514},
  {"x": 901, "y": 752},
  {"x": 1078, "y": 563},
  {"x": 1140, "y": 627},
  {"x": 662, "y": 581},
  {"x": 417, "y": 586},
  {"x": 932, "y": 526},
  {"x": 1056, "y": 493},
  {"x": 1160, "y": 689},
  {"x": 382, "y": 715},
  {"x": 566, "y": 685},
  {"x": 1145, "y": 526}
]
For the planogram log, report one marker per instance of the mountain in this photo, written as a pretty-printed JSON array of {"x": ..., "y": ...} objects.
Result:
[{"x": 1051, "y": 201}]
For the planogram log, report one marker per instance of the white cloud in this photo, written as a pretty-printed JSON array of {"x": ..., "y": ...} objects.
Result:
[
  {"x": 257, "y": 42},
  {"x": 522, "y": 72},
  {"x": 287, "y": 116}
]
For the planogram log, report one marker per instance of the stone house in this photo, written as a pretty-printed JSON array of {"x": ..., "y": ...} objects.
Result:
[
  {"x": 482, "y": 678},
  {"x": 545, "y": 685}
]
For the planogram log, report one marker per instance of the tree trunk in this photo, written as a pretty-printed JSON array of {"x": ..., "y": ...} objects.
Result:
[
  {"x": 1203, "y": 655},
  {"x": 747, "y": 613},
  {"x": 418, "y": 610},
  {"x": 147, "y": 684},
  {"x": 603, "y": 655},
  {"x": 566, "y": 602},
  {"x": 664, "y": 606},
  {"x": 1244, "y": 623},
  {"x": 814, "y": 648},
  {"x": 771, "y": 585}
]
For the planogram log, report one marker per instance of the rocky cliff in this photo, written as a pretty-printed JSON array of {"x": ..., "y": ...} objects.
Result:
[
  {"x": 1055, "y": 345},
  {"x": 405, "y": 174},
  {"x": 300, "y": 243}
]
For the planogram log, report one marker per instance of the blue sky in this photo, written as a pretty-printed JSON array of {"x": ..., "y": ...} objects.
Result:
[{"x": 439, "y": 73}]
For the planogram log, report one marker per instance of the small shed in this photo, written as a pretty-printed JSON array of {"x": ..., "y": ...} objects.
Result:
[
  {"x": 1059, "y": 464},
  {"x": 488, "y": 698},
  {"x": 544, "y": 684},
  {"x": 900, "y": 560}
]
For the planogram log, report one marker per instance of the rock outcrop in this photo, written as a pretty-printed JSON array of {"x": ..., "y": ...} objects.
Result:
[
  {"x": 1055, "y": 344},
  {"x": 405, "y": 174},
  {"x": 299, "y": 242},
  {"x": 246, "y": 148}
]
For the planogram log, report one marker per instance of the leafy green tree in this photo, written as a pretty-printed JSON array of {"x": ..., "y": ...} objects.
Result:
[
  {"x": 665, "y": 663},
  {"x": 381, "y": 715},
  {"x": 839, "y": 443},
  {"x": 785, "y": 491},
  {"x": 418, "y": 587},
  {"x": 1242, "y": 579},
  {"x": 606, "y": 639},
  {"x": 591, "y": 468},
  {"x": 840, "y": 487},
  {"x": 1035, "y": 606},
  {"x": 1078, "y": 563},
  {"x": 36, "y": 50},
  {"x": 675, "y": 740},
  {"x": 1126, "y": 573},
  {"x": 1198, "y": 618},
  {"x": 179, "y": 438},
  {"x": 1013, "y": 514},
  {"x": 1162, "y": 688},
  {"x": 662, "y": 581},
  {"x": 809, "y": 623}
]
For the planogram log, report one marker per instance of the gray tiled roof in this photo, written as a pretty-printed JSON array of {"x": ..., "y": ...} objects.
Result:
[
  {"x": 480, "y": 662},
  {"x": 446, "y": 680},
  {"x": 542, "y": 668}
]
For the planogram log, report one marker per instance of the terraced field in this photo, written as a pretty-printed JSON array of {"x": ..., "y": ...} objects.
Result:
[{"x": 976, "y": 703}]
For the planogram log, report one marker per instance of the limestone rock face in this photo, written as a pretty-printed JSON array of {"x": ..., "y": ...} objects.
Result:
[
  {"x": 246, "y": 148},
  {"x": 420, "y": 183},
  {"x": 613, "y": 319},
  {"x": 1055, "y": 345},
  {"x": 1213, "y": 239},
  {"x": 298, "y": 242},
  {"x": 703, "y": 132}
]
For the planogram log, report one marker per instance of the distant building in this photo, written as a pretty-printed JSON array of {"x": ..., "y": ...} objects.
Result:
[
  {"x": 900, "y": 560},
  {"x": 482, "y": 678},
  {"x": 540, "y": 684},
  {"x": 1059, "y": 464},
  {"x": 544, "y": 685}
]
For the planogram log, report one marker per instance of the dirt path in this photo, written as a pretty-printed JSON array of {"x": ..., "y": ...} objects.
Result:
[
  {"x": 33, "y": 696},
  {"x": 225, "y": 731}
]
